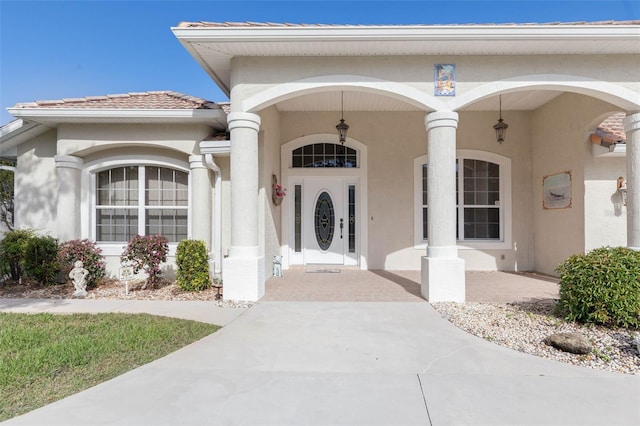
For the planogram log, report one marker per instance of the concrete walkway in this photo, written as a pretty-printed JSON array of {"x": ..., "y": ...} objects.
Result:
[
  {"x": 207, "y": 312},
  {"x": 341, "y": 363}
]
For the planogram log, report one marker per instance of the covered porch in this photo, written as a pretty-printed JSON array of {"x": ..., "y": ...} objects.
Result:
[{"x": 423, "y": 182}]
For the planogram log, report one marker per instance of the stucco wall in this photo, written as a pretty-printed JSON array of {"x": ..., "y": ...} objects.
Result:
[
  {"x": 605, "y": 218},
  {"x": 475, "y": 75},
  {"x": 36, "y": 180},
  {"x": 393, "y": 141},
  {"x": 270, "y": 215},
  {"x": 560, "y": 143},
  {"x": 225, "y": 169},
  {"x": 475, "y": 131},
  {"x": 546, "y": 141},
  {"x": 36, "y": 184},
  {"x": 83, "y": 139}
]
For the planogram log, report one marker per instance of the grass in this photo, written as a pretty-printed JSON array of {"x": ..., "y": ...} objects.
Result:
[{"x": 45, "y": 357}]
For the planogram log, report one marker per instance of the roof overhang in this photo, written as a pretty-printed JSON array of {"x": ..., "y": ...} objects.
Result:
[
  {"x": 213, "y": 46},
  {"x": 54, "y": 116},
  {"x": 33, "y": 122},
  {"x": 15, "y": 132}
]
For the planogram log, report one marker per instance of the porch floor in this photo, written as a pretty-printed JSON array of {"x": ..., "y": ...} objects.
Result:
[{"x": 350, "y": 285}]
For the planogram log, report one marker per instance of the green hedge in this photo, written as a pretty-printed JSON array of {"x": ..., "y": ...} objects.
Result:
[
  {"x": 41, "y": 263},
  {"x": 13, "y": 252},
  {"x": 602, "y": 287},
  {"x": 193, "y": 265}
]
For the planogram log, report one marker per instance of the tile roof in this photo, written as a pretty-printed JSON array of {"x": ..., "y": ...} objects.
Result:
[
  {"x": 205, "y": 24},
  {"x": 133, "y": 100},
  {"x": 612, "y": 129}
]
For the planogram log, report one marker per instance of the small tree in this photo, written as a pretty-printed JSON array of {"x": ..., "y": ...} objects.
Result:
[
  {"x": 87, "y": 252},
  {"x": 147, "y": 253},
  {"x": 40, "y": 261},
  {"x": 193, "y": 268},
  {"x": 13, "y": 252}
]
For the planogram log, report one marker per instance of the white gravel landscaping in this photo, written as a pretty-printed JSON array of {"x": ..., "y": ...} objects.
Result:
[{"x": 524, "y": 327}]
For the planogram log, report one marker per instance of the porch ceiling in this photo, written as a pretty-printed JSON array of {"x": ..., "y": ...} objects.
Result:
[{"x": 363, "y": 101}]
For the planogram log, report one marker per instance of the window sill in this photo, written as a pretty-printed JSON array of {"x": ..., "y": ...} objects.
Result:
[{"x": 116, "y": 249}]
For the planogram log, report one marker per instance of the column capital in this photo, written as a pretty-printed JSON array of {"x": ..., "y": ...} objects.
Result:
[
  {"x": 243, "y": 119},
  {"x": 197, "y": 162},
  {"x": 632, "y": 122},
  {"x": 69, "y": 162},
  {"x": 441, "y": 119}
]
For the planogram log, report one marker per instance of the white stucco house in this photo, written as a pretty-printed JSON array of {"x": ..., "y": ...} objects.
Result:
[{"x": 419, "y": 182}]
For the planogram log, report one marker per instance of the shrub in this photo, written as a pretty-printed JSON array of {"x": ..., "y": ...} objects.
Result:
[
  {"x": 40, "y": 261},
  {"x": 193, "y": 266},
  {"x": 602, "y": 287},
  {"x": 12, "y": 252},
  {"x": 147, "y": 253},
  {"x": 87, "y": 252}
]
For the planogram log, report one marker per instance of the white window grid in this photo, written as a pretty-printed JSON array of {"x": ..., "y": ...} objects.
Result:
[
  {"x": 171, "y": 219},
  {"x": 501, "y": 204}
]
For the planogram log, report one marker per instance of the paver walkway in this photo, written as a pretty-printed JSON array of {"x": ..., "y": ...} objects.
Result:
[{"x": 351, "y": 285}]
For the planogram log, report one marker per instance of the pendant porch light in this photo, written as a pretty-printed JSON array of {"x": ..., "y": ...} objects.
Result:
[
  {"x": 342, "y": 126},
  {"x": 500, "y": 127}
]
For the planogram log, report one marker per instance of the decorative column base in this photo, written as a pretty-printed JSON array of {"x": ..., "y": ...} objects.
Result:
[
  {"x": 243, "y": 278},
  {"x": 443, "y": 279}
]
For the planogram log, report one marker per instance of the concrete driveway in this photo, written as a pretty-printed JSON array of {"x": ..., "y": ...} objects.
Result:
[{"x": 349, "y": 363}]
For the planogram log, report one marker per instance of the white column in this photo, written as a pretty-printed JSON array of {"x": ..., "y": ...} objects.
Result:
[
  {"x": 200, "y": 200},
  {"x": 442, "y": 270},
  {"x": 243, "y": 273},
  {"x": 68, "y": 168},
  {"x": 632, "y": 128}
]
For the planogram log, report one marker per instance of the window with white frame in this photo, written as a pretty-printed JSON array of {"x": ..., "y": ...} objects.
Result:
[
  {"x": 324, "y": 155},
  {"x": 482, "y": 194},
  {"x": 141, "y": 199}
]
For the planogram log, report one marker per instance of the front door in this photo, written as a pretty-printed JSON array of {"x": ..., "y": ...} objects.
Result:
[{"x": 326, "y": 218}]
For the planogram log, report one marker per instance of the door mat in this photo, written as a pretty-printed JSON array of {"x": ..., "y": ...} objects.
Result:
[{"x": 322, "y": 271}]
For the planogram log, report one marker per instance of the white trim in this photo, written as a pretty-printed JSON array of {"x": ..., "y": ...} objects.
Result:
[
  {"x": 506, "y": 223},
  {"x": 69, "y": 161},
  {"x": 97, "y": 115},
  {"x": 615, "y": 94},
  {"x": 334, "y": 82},
  {"x": 615, "y": 150},
  {"x": 88, "y": 202},
  {"x": 292, "y": 176}
]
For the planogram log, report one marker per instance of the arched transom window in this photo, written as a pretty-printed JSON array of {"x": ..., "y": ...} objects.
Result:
[
  {"x": 144, "y": 200},
  {"x": 324, "y": 155}
]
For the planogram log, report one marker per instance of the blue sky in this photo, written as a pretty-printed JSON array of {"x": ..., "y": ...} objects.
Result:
[{"x": 66, "y": 49}]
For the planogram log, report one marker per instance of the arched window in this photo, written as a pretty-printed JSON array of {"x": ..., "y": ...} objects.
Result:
[
  {"x": 141, "y": 199},
  {"x": 324, "y": 155},
  {"x": 482, "y": 198}
]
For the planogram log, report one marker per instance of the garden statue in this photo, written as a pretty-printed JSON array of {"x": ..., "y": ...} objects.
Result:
[
  {"x": 79, "y": 277},
  {"x": 277, "y": 266}
]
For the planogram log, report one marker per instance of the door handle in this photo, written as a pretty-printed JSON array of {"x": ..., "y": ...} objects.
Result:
[{"x": 341, "y": 226}]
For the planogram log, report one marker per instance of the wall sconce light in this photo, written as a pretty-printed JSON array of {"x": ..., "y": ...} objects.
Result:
[
  {"x": 342, "y": 126},
  {"x": 622, "y": 190},
  {"x": 500, "y": 127}
]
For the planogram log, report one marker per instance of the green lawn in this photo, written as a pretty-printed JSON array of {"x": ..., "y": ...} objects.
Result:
[{"x": 45, "y": 357}]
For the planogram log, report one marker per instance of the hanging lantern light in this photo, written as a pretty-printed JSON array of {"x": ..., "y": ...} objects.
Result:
[
  {"x": 342, "y": 126},
  {"x": 500, "y": 127}
]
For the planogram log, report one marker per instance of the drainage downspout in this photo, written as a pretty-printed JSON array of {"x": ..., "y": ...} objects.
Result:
[{"x": 216, "y": 255}]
